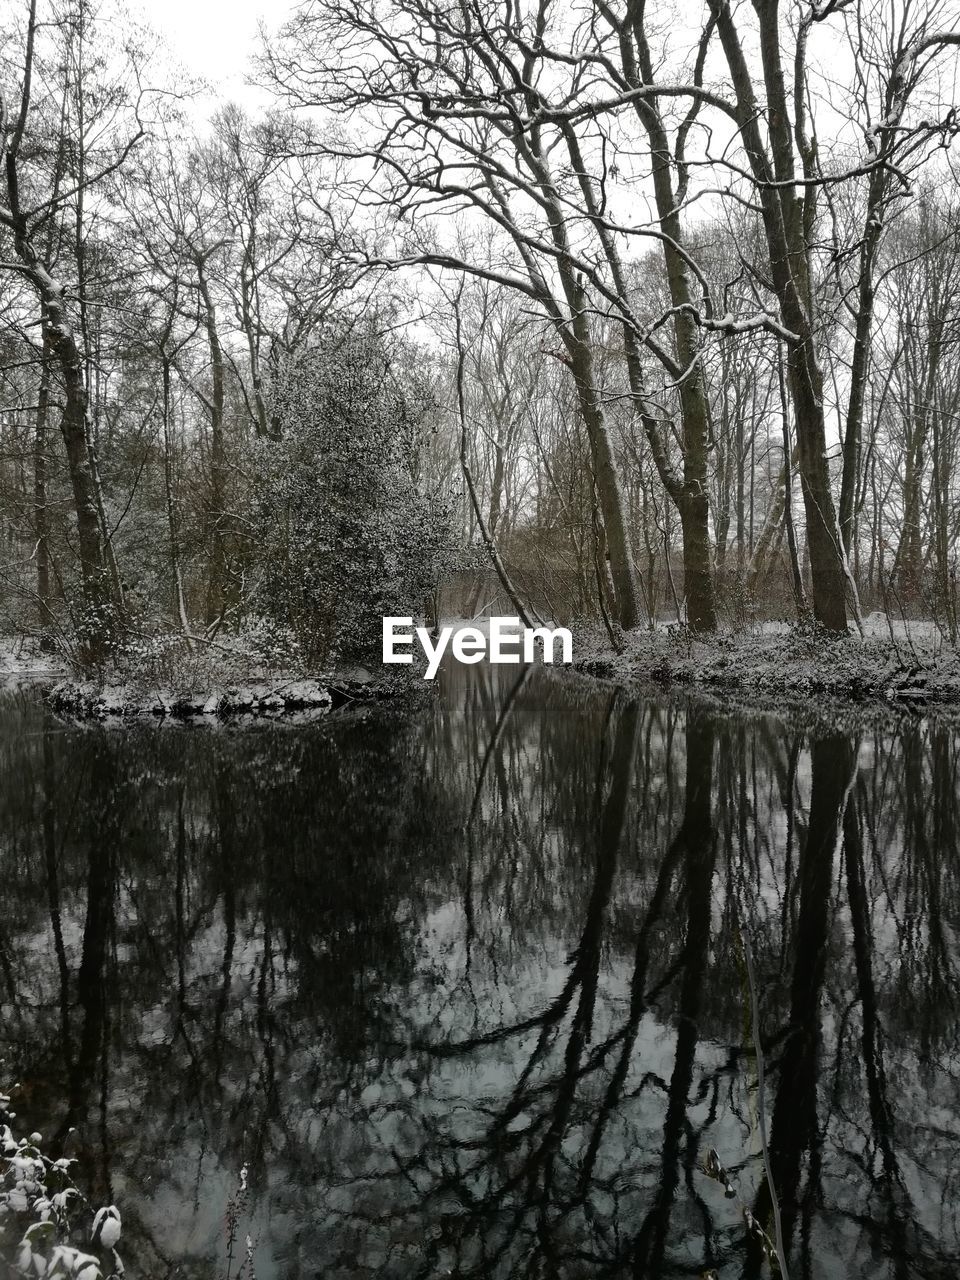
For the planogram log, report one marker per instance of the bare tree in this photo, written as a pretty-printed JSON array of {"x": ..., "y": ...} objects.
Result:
[
  {"x": 452, "y": 90},
  {"x": 38, "y": 189}
]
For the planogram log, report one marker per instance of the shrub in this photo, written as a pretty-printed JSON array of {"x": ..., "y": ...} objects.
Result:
[
  {"x": 347, "y": 533},
  {"x": 42, "y": 1214}
]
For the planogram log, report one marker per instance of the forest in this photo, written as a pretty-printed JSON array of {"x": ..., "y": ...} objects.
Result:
[
  {"x": 634, "y": 322},
  {"x": 629, "y": 315}
]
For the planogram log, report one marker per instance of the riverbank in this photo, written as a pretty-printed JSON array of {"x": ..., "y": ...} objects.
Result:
[
  {"x": 222, "y": 683},
  {"x": 89, "y": 700},
  {"x": 896, "y": 664},
  {"x": 892, "y": 665}
]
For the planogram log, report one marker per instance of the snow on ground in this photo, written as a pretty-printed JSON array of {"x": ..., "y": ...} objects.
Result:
[
  {"x": 900, "y": 663},
  {"x": 175, "y": 683},
  {"x": 21, "y": 659},
  {"x": 306, "y": 699},
  {"x": 895, "y": 662}
]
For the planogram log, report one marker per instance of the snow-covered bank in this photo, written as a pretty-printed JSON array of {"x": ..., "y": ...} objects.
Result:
[
  {"x": 172, "y": 682},
  {"x": 88, "y": 700},
  {"x": 912, "y": 667}
]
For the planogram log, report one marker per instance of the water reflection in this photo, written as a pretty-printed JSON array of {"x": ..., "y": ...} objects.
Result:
[{"x": 463, "y": 988}]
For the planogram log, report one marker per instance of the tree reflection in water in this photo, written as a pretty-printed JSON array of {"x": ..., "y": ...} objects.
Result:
[{"x": 461, "y": 984}]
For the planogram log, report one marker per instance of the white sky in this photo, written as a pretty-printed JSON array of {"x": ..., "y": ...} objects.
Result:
[{"x": 214, "y": 40}]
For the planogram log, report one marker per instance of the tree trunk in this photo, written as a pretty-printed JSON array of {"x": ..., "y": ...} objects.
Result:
[
  {"x": 60, "y": 344},
  {"x": 41, "y": 515},
  {"x": 609, "y": 491},
  {"x": 741, "y": 464},
  {"x": 697, "y": 571},
  {"x": 859, "y": 372},
  {"x": 216, "y": 594},
  {"x": 772, "y": 524},
  {"x": 172, "y": 522},
  {"x": 692, "y": 502},
  {"x": 788, "y": 221},
  {"x": 941, "y": 535},
  {"x": 799, "y": 594},
  {"x": 73, "y": 426},
  {"x": 828, "y": 580},
  {"x": 906, "y": 567},
  {"x": 102, "y": 610},
  {"x": 250, "y": 330}
]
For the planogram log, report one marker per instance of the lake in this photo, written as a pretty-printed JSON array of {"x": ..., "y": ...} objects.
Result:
[{"x": 459, "y": 987}]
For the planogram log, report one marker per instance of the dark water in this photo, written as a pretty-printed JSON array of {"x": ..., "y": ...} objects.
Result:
[{"x": 462, "y": 988}]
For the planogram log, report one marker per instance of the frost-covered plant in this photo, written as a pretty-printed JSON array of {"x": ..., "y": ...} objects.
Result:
[
  {"x": 236, "y": 1208},
  {"x": 272, "y": 643},
  {"x": 43, "y": 1216},
  {"x": 347, "y": 531},
  {"x": 714, "y": 1168}
]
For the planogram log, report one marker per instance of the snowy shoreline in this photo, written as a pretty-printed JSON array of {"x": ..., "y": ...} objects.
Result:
[
  {"x": 900, "y": 667},
  {"x": 230, "y": 685},
  {"x": 912, "y": 669},
  {"x": 265, "y": 699}
]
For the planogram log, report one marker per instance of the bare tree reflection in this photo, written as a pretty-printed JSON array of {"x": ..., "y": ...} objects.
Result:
[{"x": 461, "y": 987}]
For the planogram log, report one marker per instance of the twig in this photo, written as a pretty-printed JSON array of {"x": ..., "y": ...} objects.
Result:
[{"x": 761, "y": 1101}]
